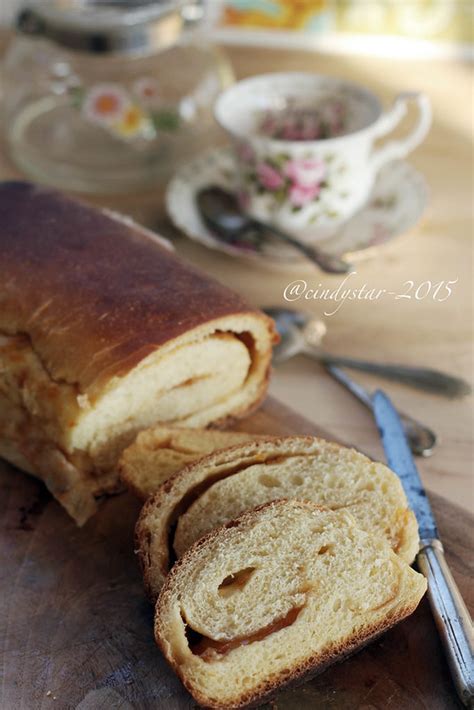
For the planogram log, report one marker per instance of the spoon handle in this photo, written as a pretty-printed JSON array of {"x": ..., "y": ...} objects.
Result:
[
  {"x": 327, "y": 262},
  {"x": 420, "y": 377},
  {"x": 422, "y": 440}
]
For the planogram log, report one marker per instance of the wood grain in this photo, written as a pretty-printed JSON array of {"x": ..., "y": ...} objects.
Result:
[{"x": 75, "y": 622}]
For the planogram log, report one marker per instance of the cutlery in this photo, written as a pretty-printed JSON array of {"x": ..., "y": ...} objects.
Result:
[
  {"x": 422, "y": 440},
  {"x": 449, "y": 610},
  {"x": 222, "y": 214},
  {"x": 302, "y": 334}
]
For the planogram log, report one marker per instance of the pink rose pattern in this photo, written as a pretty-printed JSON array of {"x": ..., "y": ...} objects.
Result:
[
  {"x": 300, "y": 181},
  {"x": 300, "y": 195},
  {"x": 269, "y": 177},
  {"x": 306, "y": 173}
]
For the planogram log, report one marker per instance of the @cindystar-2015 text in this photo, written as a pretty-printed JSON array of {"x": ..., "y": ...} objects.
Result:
[{"x": 346, "y": 291}]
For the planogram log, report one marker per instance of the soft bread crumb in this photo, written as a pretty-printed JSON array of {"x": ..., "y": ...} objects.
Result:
[
  {"x": 371, "y": 492},
  {"x": 221, "y": 486},
  {"x": 161, "y": 451},
  {"x": 344, "y": 584}
]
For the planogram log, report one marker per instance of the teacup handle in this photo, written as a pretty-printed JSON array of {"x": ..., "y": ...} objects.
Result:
[{"x": 400, "y": 148}]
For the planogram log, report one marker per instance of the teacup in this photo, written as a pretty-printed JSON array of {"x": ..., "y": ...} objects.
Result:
[{"x": 304, "y": 147}]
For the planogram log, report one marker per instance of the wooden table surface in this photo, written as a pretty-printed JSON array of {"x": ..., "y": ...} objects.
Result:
[
  {"x": 440, "y": 248},
  {"x": 76, "y": 630}
]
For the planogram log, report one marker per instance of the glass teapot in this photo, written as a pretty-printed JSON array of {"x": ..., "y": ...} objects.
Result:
[{"x": 109, "y": 96}]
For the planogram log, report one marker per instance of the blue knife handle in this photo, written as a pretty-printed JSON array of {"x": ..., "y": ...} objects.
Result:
[{"x": 451, "y": 617}]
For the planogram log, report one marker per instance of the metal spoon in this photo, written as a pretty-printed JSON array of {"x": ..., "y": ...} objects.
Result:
[
  {"x": 301, "y": 334},
  {"x": 221, "y": 212},
  {"x": 422, "y": 439}
]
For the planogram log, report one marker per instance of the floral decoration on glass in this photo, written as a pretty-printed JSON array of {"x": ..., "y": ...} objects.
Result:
[
  {"x": 293, "y": 123},
  {"x": 300, "y": 181},
  {"x": 138, "y": 113}
]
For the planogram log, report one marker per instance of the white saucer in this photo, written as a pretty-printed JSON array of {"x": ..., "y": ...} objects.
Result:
[{"x": 396, "y": 204}]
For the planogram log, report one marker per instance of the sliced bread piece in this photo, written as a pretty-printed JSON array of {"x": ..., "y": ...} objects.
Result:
[
  {"x": 221, "y": 486},
  {"x": 283, "y": 590},
  {"x": 159, "y": 452}
]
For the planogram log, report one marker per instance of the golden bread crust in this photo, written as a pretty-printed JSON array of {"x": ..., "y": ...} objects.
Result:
[{"x": 95, "y": 294}]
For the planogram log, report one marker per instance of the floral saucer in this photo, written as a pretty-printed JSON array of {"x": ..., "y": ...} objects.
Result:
[{"x": 396, "y": 203}]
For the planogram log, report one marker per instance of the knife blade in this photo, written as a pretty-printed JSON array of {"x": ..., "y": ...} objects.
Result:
[
  {"x": 421, "y": 439},
  {"x": 400, "y": 460},
  {"x": 449, "y": 611}
]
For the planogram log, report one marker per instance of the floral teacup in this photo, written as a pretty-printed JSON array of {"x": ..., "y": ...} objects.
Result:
[{"x": 304, "y": 147}]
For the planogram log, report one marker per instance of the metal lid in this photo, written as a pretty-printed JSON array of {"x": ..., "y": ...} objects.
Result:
[{"x": 110, "y": 26}]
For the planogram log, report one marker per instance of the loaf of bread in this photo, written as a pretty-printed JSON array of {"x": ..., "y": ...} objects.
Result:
[
  {"x": 160, "y": 451},
  {"x": 221, "y": 486},
  {"x": 282, "y": 591},
  {"x": 104, "y": 332}
]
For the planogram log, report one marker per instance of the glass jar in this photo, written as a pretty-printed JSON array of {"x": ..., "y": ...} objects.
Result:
[{"x": 104, "y": 96}]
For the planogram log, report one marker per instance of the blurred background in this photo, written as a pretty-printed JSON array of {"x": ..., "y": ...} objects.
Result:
[
  {"x": 427, "y": 19},
  {"x": 424, "y": 25}
]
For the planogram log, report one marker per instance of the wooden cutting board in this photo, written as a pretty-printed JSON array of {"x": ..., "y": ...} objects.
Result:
[{"x": 77, "y": 630}]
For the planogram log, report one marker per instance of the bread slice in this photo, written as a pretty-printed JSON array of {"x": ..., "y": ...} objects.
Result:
[
  {"x": 283, "y": 590},
  {"x": 221, "y": 486},
  {"x": 159, "y": 452}
]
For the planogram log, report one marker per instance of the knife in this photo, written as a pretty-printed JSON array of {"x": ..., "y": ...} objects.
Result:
[
  {"x": 449, "y": 611},
  {"x": 421, "y": 439}
]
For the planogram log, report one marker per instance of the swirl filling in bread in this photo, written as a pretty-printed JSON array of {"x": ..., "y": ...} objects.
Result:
[
  {"x": 105, "y": 332},
  {"x": 222, "y": 485},
  {"x": 305, "y": 586}
]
